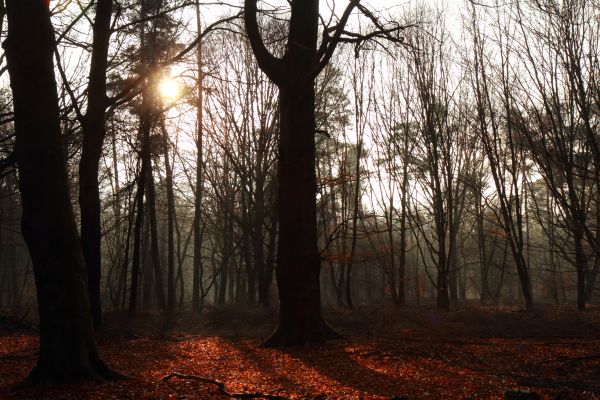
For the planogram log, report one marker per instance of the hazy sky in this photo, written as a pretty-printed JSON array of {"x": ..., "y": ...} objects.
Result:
[{"x": 384, "y": 6}]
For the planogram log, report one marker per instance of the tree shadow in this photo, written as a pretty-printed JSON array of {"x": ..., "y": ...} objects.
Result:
[{"x": 311, "y": 367}]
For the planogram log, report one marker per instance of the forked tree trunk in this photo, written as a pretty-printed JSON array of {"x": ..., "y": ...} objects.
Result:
[
  {"x": 298, "y": 259},
  {"x": 67, "y": 346}
]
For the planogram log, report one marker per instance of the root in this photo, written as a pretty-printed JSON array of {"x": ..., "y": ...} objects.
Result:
[
  {"x": 280, "y": 339},
  {"x": 222, "y": 389}
]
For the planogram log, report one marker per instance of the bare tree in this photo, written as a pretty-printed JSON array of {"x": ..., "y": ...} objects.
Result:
[{"x": 67, "y": 345}]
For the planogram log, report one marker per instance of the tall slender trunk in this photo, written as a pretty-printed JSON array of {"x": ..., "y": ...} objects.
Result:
[
  {"x": 355, "y": 212},
  {"x": 137, "y": 235},
  {"x": 170, "y": 220},
  {"x": 147, "y": 297},
  {"x": 197, "y": 263},
  {"x": 94, "y": 131},
  {"x": 402, "y": 249},
  {"x": 154, "y": 245}
]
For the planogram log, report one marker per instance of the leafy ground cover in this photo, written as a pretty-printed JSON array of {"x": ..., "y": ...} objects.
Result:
[{"x": 387, "y": 353}]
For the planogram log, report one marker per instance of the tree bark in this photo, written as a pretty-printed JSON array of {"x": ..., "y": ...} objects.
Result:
[
  {"x": 197, "y": 263},
  {"x": 154, "y": 250},
  {"x": 298, "y": 259},
  {"x": 67, "y": 345},
  {"x": 170, "y": 220},
  {"x": 94, "y": 133}
]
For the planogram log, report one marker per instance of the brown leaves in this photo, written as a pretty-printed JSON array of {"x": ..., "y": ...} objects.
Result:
[{"x": 358, "y": 368}]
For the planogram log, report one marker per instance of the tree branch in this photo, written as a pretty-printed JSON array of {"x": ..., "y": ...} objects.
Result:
[
  {"x": 328, "y": 45},
  {"x": 268, "y": 63},
  {"x": 125, "y": 93},
  {"x": 221, "y": 386},
  {"x": 341, "y": 35}
]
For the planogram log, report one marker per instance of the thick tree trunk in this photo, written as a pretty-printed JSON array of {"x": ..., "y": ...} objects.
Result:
[
  {"x": 93, "y": 138},
  {"x": 299, "y": 263},
  {"x": 67, "y": 346},
  {"x": 298, "y": 259},
  {"x": 443, "y": 298}
]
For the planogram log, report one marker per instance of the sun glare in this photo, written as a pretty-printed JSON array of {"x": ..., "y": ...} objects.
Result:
[{"x": 168, "y": 88}]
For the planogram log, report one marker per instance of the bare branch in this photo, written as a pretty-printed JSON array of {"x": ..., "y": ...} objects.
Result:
[{"x": 268, "y": 63}]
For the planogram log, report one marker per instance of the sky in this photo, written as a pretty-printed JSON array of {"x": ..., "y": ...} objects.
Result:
[{"x": 389, "y": 7}]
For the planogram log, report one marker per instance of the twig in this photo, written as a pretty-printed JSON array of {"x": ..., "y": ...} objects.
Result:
[
  {"x": 570, "y": 360},
  {"x": 222, "y": 389}
]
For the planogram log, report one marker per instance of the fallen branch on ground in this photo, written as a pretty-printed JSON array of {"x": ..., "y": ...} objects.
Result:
[
  {"x": 564, "y": 361},
  {"x": 222, "y": 389}
]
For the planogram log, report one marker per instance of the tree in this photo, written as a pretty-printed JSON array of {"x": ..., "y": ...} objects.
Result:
[
  {"x": 197, "y": 277},
  {"x": 93, "y": 139},
  {"x": 67, "y": 346},
  {"x": 556, "y": 123},
  {"x": 506, "y": 161},
  {"x": 440, "y": 156},
  {"x": 298, "y": 259}
]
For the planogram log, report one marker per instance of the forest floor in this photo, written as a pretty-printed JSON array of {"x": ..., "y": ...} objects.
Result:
[{"x": 413, "y": 353}]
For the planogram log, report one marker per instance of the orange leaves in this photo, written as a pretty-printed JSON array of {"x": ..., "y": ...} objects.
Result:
[{"x": 409, "y": 364}]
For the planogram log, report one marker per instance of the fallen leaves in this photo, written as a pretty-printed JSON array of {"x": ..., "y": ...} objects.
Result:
[
  {"x": 352, "y": 369},
  {"x": 417, "y": 364}
]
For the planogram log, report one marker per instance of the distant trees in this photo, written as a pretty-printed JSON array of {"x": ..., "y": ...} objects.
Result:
[
  {"x": 442, "y": 171},
  {"x": 560, "y": 124},
  {"x": 494, "y": 126},
  {"x": 441, "y": 155}
]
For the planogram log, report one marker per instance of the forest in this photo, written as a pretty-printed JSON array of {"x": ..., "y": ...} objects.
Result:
[{"x": 300, "y": 199}]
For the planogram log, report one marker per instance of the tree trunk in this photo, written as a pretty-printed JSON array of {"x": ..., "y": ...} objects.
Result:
[
  {"x": 197, "y": 263},
  {"x": 170, "y": 220},
  {"x": 298, "y": 259},
  {"x": 94, "y": 131},
  {"x": 402, "y": 250},
  {"x": 144, "y": 137},
  {"x": 137, "y": 241},
  {"x": 67, "y": 346},
  {"x": 264, "y": 282},
  {"x": 154, "y": 251},
  {"x": 298, "y": 264},
  {"x": 146, "y": 276},
  {"x": 443, "y": 298},
  {"x": 453, "y": 268}
]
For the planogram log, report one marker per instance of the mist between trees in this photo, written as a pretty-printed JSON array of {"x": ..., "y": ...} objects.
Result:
[{"x": 454, "y": 161}]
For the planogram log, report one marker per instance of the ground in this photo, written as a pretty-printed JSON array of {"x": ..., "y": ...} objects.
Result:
[{"x": 418, "y": 353}]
